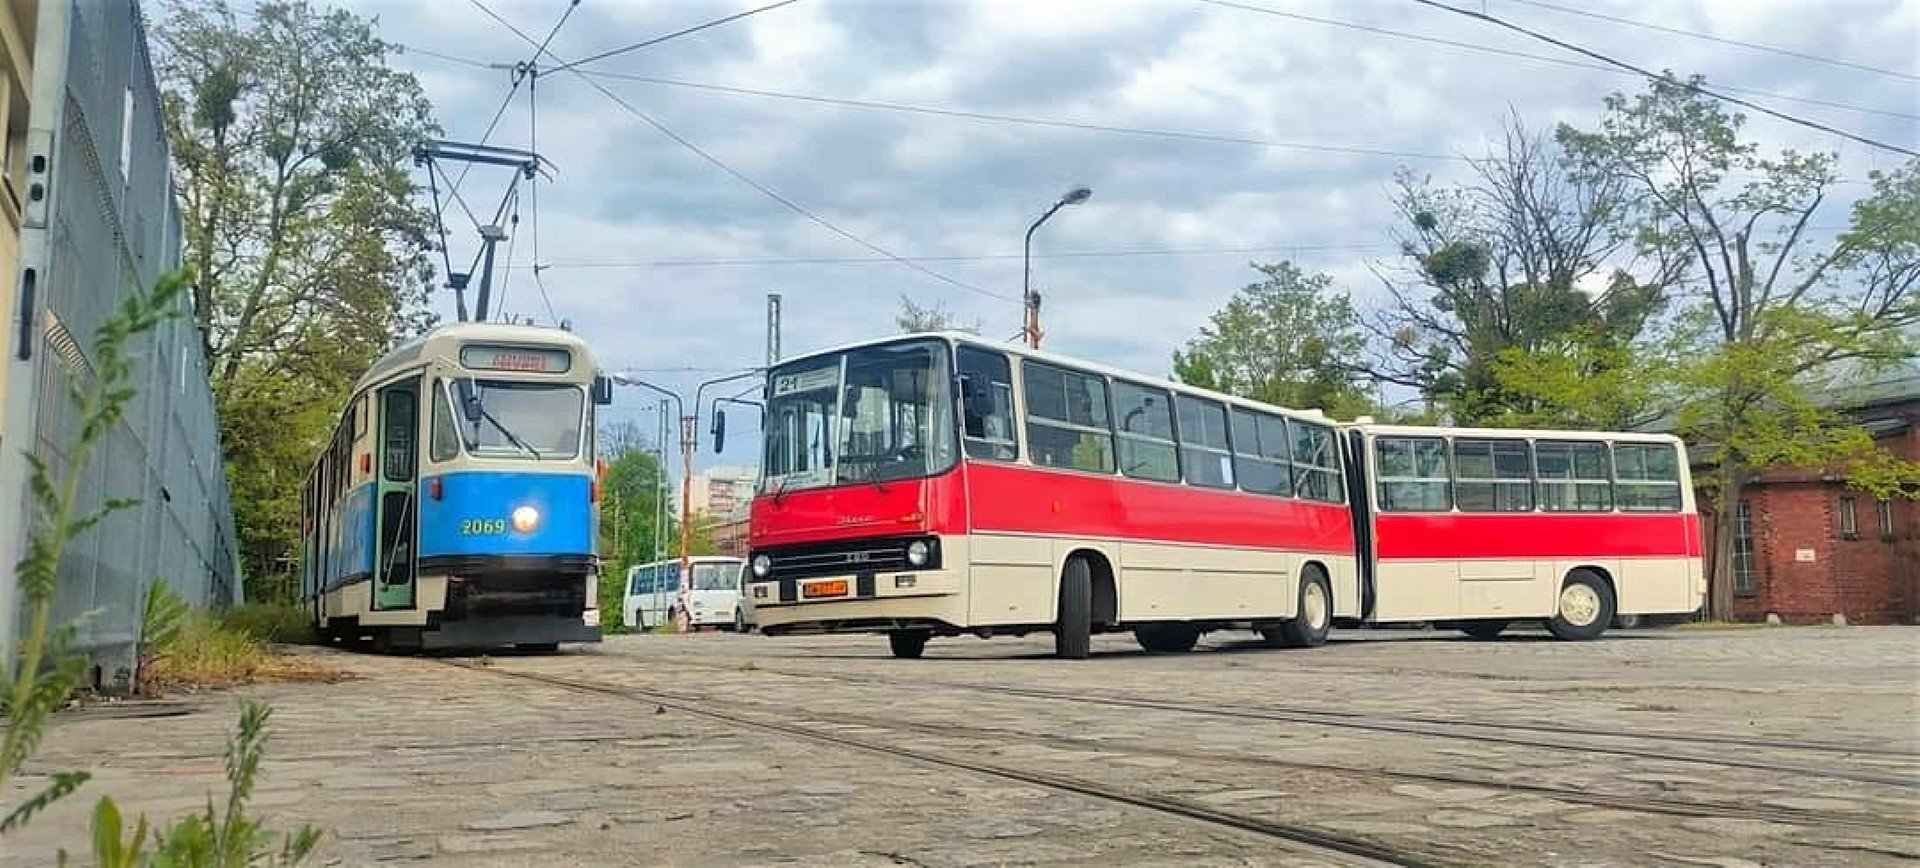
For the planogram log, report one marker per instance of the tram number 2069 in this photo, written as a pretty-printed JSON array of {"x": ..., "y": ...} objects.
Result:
[{"x": 483, "y": 526}]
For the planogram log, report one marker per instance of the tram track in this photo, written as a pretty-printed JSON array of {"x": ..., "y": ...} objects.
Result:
[
  {"x": 1529, "y": 735},
  {"x": 1350, "y": 849}
]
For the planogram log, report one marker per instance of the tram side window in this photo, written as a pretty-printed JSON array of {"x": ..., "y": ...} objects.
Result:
[
  {"x": 1492, "y": 476},
  {"x": 1647, "y": 476},
  {"x": 1573, "y": 477},
  {"x": 1204, "y": 449},
  {"x": 1413, "y": 475},
  {"x": 445, "y": 435},
  {"x": 1260, "y": 453},
  {"x": 1067, "y": 421},
  {"x": 1316, "y": 463},
  {"x": 986, "y": 405}
]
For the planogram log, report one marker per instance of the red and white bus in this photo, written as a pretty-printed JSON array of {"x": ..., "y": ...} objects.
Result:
[{"x": 937, "y": 485}]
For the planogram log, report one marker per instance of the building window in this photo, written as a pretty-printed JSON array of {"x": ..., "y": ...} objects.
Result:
[
  {"x": 1849, "y": 519},
  {"x": 1885, "y": 513},
  {"x": 1743, "y": 578}
]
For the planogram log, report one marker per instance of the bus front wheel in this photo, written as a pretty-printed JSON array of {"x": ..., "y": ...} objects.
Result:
[
  {"x": 1073, "y": 632},
  {"x": 908, "y": 644}
]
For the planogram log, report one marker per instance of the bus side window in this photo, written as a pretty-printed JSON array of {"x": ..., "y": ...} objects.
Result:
[
  {"x": 1413, "y": 474},
  {"x": 1260, "y": 453},
  {"x": 1492, "y": 476},
  {"x": 1067, "y": 421},
  {"x": 1204, "y": 452},
  {"x": 1573, "y": 477},
  {"x": 986, "y": 405},
  {"x": 1316, "y": 463},
  {"x": 1647, "y": 477},
  {"x": 1147, "y": 449}
]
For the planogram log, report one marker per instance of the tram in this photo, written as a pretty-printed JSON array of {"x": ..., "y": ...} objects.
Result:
[{"x": 457, "y": 502}]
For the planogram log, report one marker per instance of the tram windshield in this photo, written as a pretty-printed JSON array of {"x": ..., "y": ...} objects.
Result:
[
  {"x": 502, "y": 419},
  {"x": 869, "y": 415}
]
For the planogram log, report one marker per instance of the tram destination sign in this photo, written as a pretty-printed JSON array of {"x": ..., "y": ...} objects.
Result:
[{"x": 494, "y": 357}]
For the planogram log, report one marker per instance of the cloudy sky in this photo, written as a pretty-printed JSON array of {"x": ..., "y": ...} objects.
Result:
[{"x": 644, "y": 240}]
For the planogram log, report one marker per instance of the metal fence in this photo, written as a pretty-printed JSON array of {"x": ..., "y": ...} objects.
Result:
[{"x": 112, "y": 226}]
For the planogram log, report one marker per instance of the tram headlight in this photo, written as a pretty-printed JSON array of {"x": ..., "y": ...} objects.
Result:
[
  {"x": 525, "y": 519},
  {"x": 762, "y": 566},
  {"x": 918, "y": 553}
]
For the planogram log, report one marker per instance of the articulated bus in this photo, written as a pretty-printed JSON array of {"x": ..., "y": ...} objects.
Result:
[
  {"x": 939, "y": 485},
  {"x": 456, "y": 505}
]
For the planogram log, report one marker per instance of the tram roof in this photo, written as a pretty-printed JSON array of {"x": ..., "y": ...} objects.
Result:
[{"x": 446, "y": 340}]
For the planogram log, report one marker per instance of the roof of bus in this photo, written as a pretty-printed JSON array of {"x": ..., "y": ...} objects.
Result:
[
  {"x": 1071, "y": 362},
  {"x": 1447, "y": 431},
  {"x": 445, "y": 340}
]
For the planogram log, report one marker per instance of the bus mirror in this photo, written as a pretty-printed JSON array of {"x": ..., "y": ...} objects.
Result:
[
  {"x": 719, "y": 429},
  {"x": 602, "y": 390},
  {"x": 469, "y": 402}
]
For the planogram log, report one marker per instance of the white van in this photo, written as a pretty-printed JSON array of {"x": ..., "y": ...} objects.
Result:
[{"x": 712, "y": 598}]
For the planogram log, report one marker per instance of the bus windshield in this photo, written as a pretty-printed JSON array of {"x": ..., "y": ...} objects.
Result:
[
  {"x": 499, "y": 418},
  {"x": 870, "y": 415},
  {"x": 716, "y": 577}
]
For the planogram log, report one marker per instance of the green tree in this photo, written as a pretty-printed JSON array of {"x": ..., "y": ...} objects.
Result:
[
  {"x": 1499, "y": 268},
  {"x": 292, "y": 141},
  {"x": 1768, "y": 317},
  {"x": 1289, "y": 340},
  {"x": 934, "y": 317}
]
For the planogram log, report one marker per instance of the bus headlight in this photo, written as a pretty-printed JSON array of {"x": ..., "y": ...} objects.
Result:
[
  {"x": 525, "y": 519},
  {"x": 918, "y": 553},
  {"x": 762, "y": 566}
]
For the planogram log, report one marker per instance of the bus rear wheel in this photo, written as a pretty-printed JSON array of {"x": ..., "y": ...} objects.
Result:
[
  {"x": 1167, "y": 638},
  {"x": 1312, "y": 620},
  {"x": 1484, "y": 630},
  {"x": 1073, "y": 631},
  {"x": 908, "y": 644},
  {"x": 1584, "y": 609}
]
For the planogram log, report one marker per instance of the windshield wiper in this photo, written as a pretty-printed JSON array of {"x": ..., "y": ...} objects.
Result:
[{"x": 511, "y": 437}]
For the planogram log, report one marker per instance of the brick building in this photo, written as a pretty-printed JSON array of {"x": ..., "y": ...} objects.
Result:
[{"x": 1809, "y": 548}]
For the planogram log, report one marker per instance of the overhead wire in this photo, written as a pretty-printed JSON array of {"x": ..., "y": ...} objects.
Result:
[
  {"x": 520, "y": 73},
  {"x": 983, "y": 257},
  {"x": 742, "y": 177},
  {"x": 1653, "y": 76},
  {"x": 647, "y": 43},
  {"x": 1709, "y": 37},
  {"x": 1543, "y": 58}
]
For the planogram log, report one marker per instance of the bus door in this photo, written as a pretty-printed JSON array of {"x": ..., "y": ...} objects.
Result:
[
  {"x": 398, "y": 446},
  {"x": 1360, "y": 501}
]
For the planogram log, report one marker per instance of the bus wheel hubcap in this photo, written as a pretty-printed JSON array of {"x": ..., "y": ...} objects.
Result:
[
  {"x": 1579, "y": 605},
  {"x": 1316, "y": 606}
]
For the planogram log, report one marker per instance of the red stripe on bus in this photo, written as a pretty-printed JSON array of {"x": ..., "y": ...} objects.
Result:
[
  {"x": 1440, "y": 536},
  {"x": 1013, "y": 498}
]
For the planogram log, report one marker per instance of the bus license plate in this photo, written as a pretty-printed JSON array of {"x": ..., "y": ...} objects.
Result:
[{"x": 835, "y": 588}]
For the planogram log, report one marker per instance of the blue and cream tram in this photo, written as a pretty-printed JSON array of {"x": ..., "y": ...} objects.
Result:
[{"x": 456, "y": 505}]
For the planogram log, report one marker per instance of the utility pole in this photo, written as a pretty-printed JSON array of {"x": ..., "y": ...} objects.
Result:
[
  {"x": 773, "y": 329},
  {"x": 686, "y": 514}
]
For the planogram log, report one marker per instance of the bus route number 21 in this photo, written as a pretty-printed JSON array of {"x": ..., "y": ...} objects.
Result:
[{"x": 483, "y": 526}]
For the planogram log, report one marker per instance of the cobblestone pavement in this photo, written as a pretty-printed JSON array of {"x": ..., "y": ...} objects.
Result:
[{"x": 1792, "y": 746}]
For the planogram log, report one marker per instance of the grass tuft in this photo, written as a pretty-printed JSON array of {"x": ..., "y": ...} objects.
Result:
[{"x": 282, "y": 623}]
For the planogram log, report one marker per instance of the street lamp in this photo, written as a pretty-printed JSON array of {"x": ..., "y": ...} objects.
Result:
[{"x": 1074, "y": 196}]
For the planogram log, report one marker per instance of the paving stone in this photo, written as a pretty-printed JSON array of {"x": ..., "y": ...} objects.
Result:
[
  {"x": 519, "y": 820},
  {"x": 996, "y": 828},
  {"x": 1712, "y": 861},
  {"x": 1732, "y": 827},
  {"x": 1444, "y": 794},
  {"x": 1603, "y": 816},
  {"x": 1236, "y": 796},
  {"x": 825, "y": 788},
  {"x": 458, "y": 845},
  {"x": 1470, "y": 819}
]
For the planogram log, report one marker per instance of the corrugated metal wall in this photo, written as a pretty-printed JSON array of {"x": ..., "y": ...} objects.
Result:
[{"x": 113, "y": 225}]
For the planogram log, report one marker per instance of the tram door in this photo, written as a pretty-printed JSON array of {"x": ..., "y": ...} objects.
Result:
[{"x": 394, "y": 492}]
